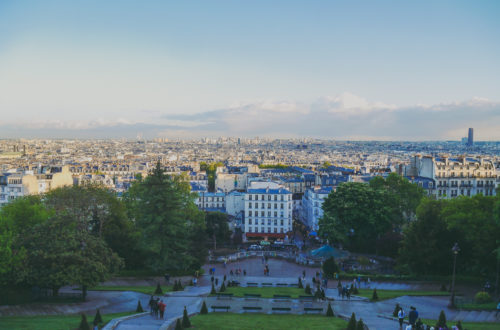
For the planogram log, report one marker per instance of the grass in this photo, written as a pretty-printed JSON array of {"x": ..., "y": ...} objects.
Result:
[
  {"x": 467, "y": 325},
  {"x": 266, "y": 292},
  {"x": 265, "y": 321},
  {"x": 491, "y": 306},
  {"x": 149, "y": 290},
  {"x": 390, "y": 294},
  {"x": 53, "y": 322}
]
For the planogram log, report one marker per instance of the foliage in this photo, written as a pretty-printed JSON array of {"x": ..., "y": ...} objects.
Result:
[
  {"x": 139, "y": 308},
  {"x": 159, "y": 290},
  {"x": 84, "y": 325},
  {"x": 171, "y": 224},
  {"x": 459, "y": 325},
  {"x": 441, "y": 323},
  {"x": 222, "y": 287},
  {"x": 360, "y": 325},
  {"x": 217, "y": 227},
  {"x": 330, "y": 267},
  {"x": 213, "y": 289},
  {"x": 211, "y": 169},
  {"x": 178, "y": 325},
  {"x": 204, "y": 309},
  {"x": 352, "y": 322},
  {"x": 273, "y": 166},
  {"x": 329, "y": 311},
  {"x": 97, "y": 318},
  {"x": 396, "y": 310},
  {"x": 308, "y": 289},
  {"x": 300, "y": 285},
  {"x": 185, "y": 319},
  {"x": 482, "y": 297},
  {"x": 374, "y": 295}
]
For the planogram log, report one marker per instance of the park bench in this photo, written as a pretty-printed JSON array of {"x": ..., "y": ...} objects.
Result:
[
  {"x": 313, "y": 310},
  {"x": 214, "y": 308},
  {"x": 224, "y": 295},
  {"x": 267, "y": 284},
  {"x": 306, "y": 298},
  {"x": 281, "y": 309},
  {"x": 252, "y": 308},
  {"x": 281, "y": 284},
  {"x": 251, "y": 296},
  {"x": 252, "y": 284},
  {"x": 281, "y": 297}
]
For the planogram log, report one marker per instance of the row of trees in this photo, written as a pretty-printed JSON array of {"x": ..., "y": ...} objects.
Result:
[
  {"x": 392, "y": 217},
  {"x": 83, "y": 234}
]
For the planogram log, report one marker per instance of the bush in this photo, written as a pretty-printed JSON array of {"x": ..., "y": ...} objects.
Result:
[
  {"x": 301, "y": 286},
  {"x": 84, "y": 325},
  {"x": 441, "y": 323},
  {"x": 443, "y": 288},
  {"x": 329, "y": 311},
  {"x": 179, "y": 286},
  {"x": 178, "y": 325},
  {"x": 330, "y": 267},
  {"x": 185, "y": 319},
  {"x": 158, "y": 289},
  {"x": 459, "y": 325},
  {"x": 222, "y": 287},
  {"x": 213, "y": 290},
  {"x": 352, "y": 323},
  {"x": 308, "y": 289},
  {"x": 374, "y": 295},
  {"x": 225, "y": 278},
  {"x": 139, "y": 307},
  {"x": 204, "y": 309},
  {"x": 360, "y": 325},
  {"x": 482, "y": 297},
  {"x": 354, "y": 290},
  {"x": 396, "y": 310},
  {"x": 97, "y": 318}
]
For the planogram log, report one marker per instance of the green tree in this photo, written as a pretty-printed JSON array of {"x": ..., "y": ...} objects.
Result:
[
  {"x": 356, "y": 215},
  {"x": 185, "y": 319},
  {"x": 164, "y": 210},
  {"x": 217, "y": 227},
  {"x": 330, "y": 267},
  {"x": 204, "y": 309},
  {"x": 352, "y": 322},
  {"x": 441, "y": 323}
]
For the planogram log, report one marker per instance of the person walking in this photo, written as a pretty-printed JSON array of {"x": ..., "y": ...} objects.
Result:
[
  {"x": 401, "y": 317},
  {"x": 498, "y": 309},
  {"x": 150, "y": 304},
  {"x": 413, "y": 316},
  {"x": 161, "y": 307}
]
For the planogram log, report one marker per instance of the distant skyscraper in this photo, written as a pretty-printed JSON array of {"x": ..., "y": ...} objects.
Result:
[{"x": 470, "y": 140}]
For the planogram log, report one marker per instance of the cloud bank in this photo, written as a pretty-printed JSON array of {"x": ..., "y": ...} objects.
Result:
[{"x": 346, "y": 116}]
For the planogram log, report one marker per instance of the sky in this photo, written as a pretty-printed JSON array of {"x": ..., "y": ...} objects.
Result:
[{"x": 392, "y": 70}]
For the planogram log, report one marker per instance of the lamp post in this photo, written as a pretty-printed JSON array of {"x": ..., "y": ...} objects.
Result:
[{"x": 455, "y": 249}]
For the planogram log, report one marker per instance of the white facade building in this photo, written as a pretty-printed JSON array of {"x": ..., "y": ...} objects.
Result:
[
  {"x": 268, "y": 213},
  {"x": 312, "y": 203}
]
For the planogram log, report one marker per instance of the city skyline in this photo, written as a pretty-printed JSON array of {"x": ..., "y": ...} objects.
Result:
[{"x": 352, "y": 71}]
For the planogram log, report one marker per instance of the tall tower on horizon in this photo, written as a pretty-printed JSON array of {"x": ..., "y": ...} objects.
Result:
[{"x": 470, "y": 140}]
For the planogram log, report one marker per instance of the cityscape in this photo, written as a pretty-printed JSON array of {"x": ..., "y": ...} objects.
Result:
[{"x": 174, "y": 165}]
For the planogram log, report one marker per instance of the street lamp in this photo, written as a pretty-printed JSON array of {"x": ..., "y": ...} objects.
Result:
[{"x": 455, "y": 249}]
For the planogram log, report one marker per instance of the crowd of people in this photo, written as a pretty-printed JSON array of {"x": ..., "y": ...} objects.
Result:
[{"x": 157, "y": 307}]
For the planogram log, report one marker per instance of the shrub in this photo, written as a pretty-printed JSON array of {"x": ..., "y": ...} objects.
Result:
[
  {"x": 84, "y": 325},
  {"x": 301, "y": 286},
  {"x": 97, "y": 318},
  {"x": 459, "y": 325},
  {"x": 329, "y": 311},
  {"x": 180, "y": 287},
  {"x": 178, "y": 325},
  {"x": 222, "y": 287},
  {"x": 330, "y": 267},
  {"x": 175, "y": 287},
  {"x": 308, "y": 289},
  {"x": 213, "y": 290},
  {"x": 374, "y": 295},
  {"x": 354, "y": 290},
  {"x": 139, "y": 307},
  {"x": 158, "y": 289},
  {"x": 352, "y": 323},
  {"x": 396, "y": 310},
  {"x": 482, "y": 297},
  {"x": 204, "y": 309},
  {"x": 443, "y": 288},
  {"x": 360, "y": 325},
  {"x": 441, "y": 323},
  {"x": 225, "y": 278},
  {"x": 185, "y": 319}
]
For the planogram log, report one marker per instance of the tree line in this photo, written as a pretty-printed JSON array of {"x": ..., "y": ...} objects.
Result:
[
  {"x": 84, "y": 234},
  {"x": 393, "y": 217}
]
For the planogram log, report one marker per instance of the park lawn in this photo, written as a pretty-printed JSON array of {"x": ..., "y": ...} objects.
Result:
[
  {"x": 484, "y": 307},
  {"x": 266, "y": 321},
  {"x": 467, "y": 325},
  {"x": 52, "y": 322},
  {"x": 390, "y": 294},
  {"x": 149, "y": 290},
  {"x": 266, "y": 292}
]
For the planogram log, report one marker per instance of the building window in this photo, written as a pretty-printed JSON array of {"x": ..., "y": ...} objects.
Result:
[
  {"x": 263, "y": 214},
  {"x": 275, "y": 213},
  {"x": 275, "y": 222},
  {"x": 268, "y": 197},
  {"x": 268, "y": 205},
  {"x": 250, "y": 205},
  {"x": 275, "y": 230},
  {"x": 282, "y": 222},
  {"x": 250, "y": 221},
  {"x": 275, "y": 197},
  {"x": 249, "y": 213},
  {"x": 268, "y": 213},
  {"x": 269, "y": 229}
]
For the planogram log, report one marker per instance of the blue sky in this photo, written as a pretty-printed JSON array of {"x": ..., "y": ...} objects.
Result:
[{"x": 82, "y": 63}]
